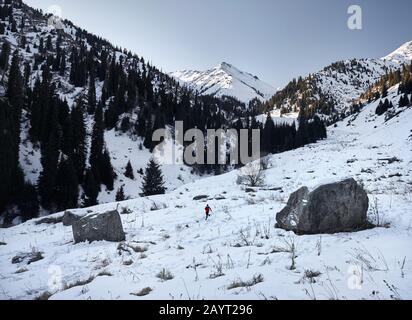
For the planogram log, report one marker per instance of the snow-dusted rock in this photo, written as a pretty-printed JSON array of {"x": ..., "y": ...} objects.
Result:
[
  {"x": 331, "y": 208},
  {"x": 70, "y": 217},
  {"x": 99, "y": 227}
]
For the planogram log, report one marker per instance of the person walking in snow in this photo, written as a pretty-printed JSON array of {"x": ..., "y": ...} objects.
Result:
[{"x": 207, "y": 211}]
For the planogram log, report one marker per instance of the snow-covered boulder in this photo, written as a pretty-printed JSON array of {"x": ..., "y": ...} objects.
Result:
[
  {"x": 99, "y": 227},
  {"x": 331, "y": 208}
]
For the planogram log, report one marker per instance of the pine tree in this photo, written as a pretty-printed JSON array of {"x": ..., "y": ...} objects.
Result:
[
  {"x": 100, "y": 162},
  {"x": 27, "y": 73},
  {"x": 65, "y": 122},
  {"x": 4, "y": 55},
  {"x": 28, "y": 203},
  {"x": 268, "y": 135},
  {"x": 129, "y": 171},
  {"x": 9, "y": 151},
  {"x": 41, "y": 45},
  {"x": 112, "y": 115},
  {"x": 383, "y": 107},
  {"x": 49, "y": 161},
  {"x": 120, "y": 195},
  {"x": 79, "y": 141},
  {"x": 303, "y": 134},
  {"x": 13, "y": 26},
  {"x": 384, "y": 93},
  {"x": 91, "y": 189},
  {"x": 153, "y": 183},
  {"x": 15, "y": 90},
  {"x": 148, "y": 142},
  {"x": 49, "y": 44},
  {"x": 106, "y": 171},
  {"x": 62, "y": 68},
  {"x": 404, "y": 101},
  {"x": 91, "y": 95},
  {"x": 97, "y": 145},
  {"x": 67, "y": 189}
]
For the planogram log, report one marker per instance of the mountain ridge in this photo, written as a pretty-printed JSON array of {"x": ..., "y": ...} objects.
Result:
[
  {"x": 333, "y": 90},
  {"x": 225, "y": 80},
  {"x": 402, "y": 55}
]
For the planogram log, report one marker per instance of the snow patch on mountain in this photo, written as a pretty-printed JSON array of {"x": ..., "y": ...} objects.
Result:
[
  {"x": 225, "y": 80},
  {"x": 344, "y": 82},
  {"x": 402, "y": 55}
]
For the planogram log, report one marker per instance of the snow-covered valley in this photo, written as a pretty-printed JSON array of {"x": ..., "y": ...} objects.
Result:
[
  {"x": 238, "y": 253},
  {"x": 79, "y": 130}
]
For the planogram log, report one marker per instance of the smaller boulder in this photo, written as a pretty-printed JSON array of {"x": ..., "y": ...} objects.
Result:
[
  {"x": 99, "y": 227},
  {"x": 71, "y": 217}
]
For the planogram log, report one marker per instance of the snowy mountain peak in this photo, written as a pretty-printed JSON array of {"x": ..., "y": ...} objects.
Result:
[
  {"x": 225, "y": 80},
  {"x": 225, "y": 65},
  {"x": 401, "y": 55}
]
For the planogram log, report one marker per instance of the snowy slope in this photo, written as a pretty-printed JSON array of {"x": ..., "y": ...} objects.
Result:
[
  {"x": 240, "y": 240},
  {"x": 402, "y": 55},
  {"x": 348, "y": 81},
  {"x": 226, "y": 79}
]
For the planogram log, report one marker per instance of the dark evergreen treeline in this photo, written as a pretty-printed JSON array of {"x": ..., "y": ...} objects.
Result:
[
  {"x": 383, "y": 107},
  {"x": 285, "y": 137},
  {"x": 301, "y": 93}
]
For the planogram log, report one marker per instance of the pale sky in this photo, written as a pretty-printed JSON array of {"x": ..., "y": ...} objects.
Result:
[{"x": 273, "y": 39}]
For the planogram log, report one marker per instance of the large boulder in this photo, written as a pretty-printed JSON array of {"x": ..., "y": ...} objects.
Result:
[
  {"x": 331, "y": 208},
  {"x": 99, "y": 227}
]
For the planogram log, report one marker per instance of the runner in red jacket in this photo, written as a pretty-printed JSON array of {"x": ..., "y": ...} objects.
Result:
[{"x": 207, "y": 211}]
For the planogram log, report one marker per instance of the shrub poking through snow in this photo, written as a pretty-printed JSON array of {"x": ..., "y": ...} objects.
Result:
[
  {"x": 165, "y": 275},
  {"x": 377, "y": 218},
  {"x": 252, "y": 175},
  {"x": 258, "y": 278},
  {"x": 127, "y": 263},
  {"x": 28, "y": 258},
  {"x": 105, "y": 273},
  {"x": 22, "y": 270},
  {"x": 218, "y": 269},
  {"x": 79, "y": 283},
  {"x": 143, "y": 292},
  {"x": 311, "y": 275},
  {"x": 44, "y": 296}
]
